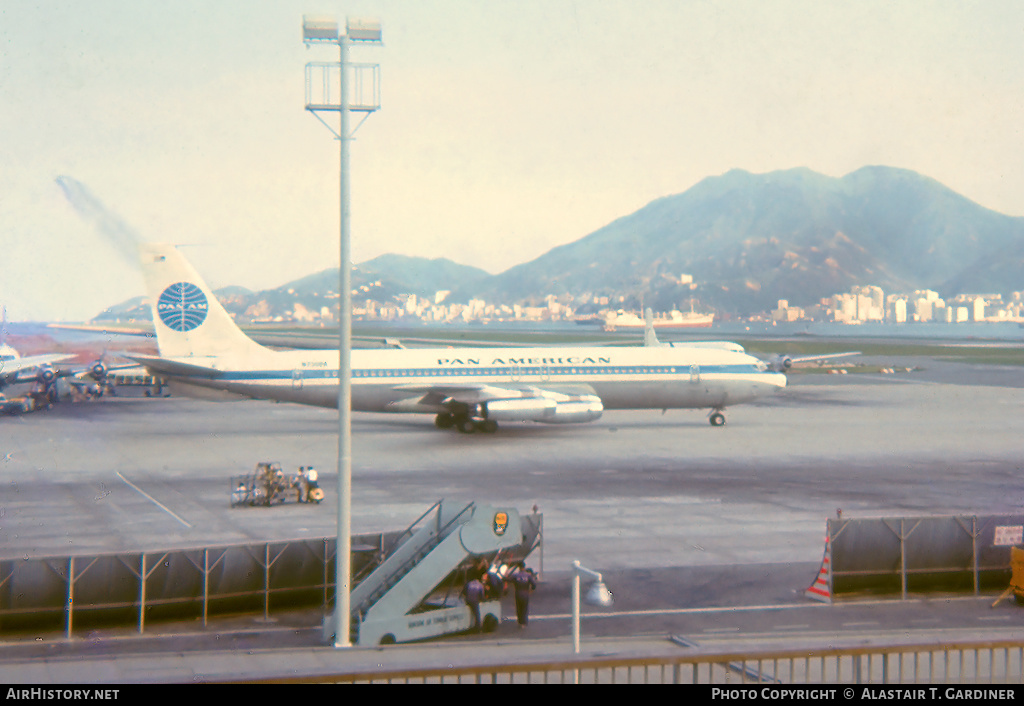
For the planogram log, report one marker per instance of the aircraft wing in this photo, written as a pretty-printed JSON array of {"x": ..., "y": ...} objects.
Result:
[
  {"x": 783, "y": 362},
  {"x": 33, "y": 368},
  {"x": 170, "y": 367},
  {"x": 479, "y": 392},
  {"x": 467, "y": 393},
  {"x": 491, "y": 403},
  {"x": 8, "y": 367},
  {"x": 96, "y": 372},
  {"x": 142, "y": 330}
]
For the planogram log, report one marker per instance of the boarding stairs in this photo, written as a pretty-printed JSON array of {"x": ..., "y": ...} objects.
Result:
[
  {"x": 406, "y": 556},
  {"x": 389, "y": 604}
]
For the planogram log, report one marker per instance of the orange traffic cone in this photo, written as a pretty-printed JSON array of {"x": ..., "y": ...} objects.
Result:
[{"x": 821, "y": 589}]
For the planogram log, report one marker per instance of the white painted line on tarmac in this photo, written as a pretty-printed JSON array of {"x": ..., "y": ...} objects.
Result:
[
  {"x": 682, "y": 611},
  {"x": 810, "y": 605},
  {"x": 153, "y": 500}
]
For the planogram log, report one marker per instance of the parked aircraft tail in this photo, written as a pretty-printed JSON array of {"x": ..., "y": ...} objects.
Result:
[
  {"x": 650, "y": 337},
  {"x": 187, "y": 318}
]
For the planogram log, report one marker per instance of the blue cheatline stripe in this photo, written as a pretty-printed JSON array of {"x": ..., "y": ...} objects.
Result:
[{"x": 488, "y": 371}]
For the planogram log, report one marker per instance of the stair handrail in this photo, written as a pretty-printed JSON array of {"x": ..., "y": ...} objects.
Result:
[
  {"x": 408, "y": 530},
  {"x": 402, "y": 570}
]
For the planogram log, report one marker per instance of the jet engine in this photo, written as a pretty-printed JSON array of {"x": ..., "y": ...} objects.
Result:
[
  {"x": 781, "y": 363},
  {"x": 573, "y": 409}
]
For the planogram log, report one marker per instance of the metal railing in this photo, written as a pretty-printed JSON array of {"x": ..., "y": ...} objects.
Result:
[
  {"x": 74, "y": 593},
  {"x": 914, "y": 554},
  {"x": 975, "y": 663}
]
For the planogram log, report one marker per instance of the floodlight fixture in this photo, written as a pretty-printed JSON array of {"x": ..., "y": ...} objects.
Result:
[
  {"x": 319, "y": 28},
  {"x": 323, "y": 28},
  {"x": 599, "y": 595},
  {"x": 363, "y": 30}
]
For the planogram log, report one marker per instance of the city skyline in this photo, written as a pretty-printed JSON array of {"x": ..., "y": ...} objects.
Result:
[{"x": 861, "y": 303}]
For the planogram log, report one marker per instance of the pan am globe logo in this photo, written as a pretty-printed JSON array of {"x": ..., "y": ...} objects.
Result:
[{"x": 182, "y": 306}]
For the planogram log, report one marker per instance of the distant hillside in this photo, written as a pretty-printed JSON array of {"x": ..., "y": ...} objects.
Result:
[
  {"x": 234, "y": 298},
  {"x": 382, "y": 279},
  {"x": 423, "y": 276},
  {"x": 749, "y": 240}
]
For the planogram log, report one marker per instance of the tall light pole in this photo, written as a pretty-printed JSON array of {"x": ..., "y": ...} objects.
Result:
[{"x": 363, "y": 97}]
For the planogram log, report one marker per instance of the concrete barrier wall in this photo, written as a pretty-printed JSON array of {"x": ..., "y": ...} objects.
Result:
[
  {"x": 133, "y": 587},
  {"x": 130, "y": 588},
  {"x": 913, "y": 554}
]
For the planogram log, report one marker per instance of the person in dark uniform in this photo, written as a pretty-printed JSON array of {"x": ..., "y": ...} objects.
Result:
[
  {"x": 474, "y": 593},
  {"x": 525, "y": 582},
  {"x": 302, "y": 485}
]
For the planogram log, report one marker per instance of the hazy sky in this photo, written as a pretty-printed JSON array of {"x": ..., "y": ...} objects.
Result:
[{"x": 506, "y": 128}]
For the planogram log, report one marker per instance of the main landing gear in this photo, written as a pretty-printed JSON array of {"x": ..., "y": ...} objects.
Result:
[
  {"x": 465, "y": 424},
  {"x": 716, "y": 418}
]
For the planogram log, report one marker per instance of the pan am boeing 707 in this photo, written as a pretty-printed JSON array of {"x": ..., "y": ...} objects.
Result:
[{"x": 471, "y": 389}]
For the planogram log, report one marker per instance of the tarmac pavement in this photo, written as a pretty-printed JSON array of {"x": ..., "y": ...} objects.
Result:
[{"x": 692, "y": 526}]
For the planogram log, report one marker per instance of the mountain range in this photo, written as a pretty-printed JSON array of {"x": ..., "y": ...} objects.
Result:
[{"x": 747, "y": 240}]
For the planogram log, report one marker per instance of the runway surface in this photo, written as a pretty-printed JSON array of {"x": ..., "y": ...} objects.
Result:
[{"x": 678, "y": 514}]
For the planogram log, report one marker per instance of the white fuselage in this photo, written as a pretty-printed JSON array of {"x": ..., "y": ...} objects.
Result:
[{"x": 394, "y": 380}]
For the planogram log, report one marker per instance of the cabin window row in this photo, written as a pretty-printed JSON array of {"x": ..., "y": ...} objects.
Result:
[
  {"x": 483, "y": 372},
  {"x": 523, "y": 372}
]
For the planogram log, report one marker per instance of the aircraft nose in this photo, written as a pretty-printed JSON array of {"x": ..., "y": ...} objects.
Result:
[{"x": 771, "y": 383}]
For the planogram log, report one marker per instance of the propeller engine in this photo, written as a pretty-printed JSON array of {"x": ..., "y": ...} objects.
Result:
[
  {"x": 46, "y": 375},
  {"x": 98, "y": 370}
]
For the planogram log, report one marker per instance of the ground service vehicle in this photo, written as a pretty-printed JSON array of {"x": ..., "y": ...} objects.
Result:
[{"x": 269, "y": 485}]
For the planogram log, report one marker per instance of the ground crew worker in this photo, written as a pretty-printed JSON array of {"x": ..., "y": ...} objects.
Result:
[
  {"x": 279, "y": 486},
  {"x": 474, "y": 593},
  {"x": 494, "y": 582},
  {"x": 311, "y": 481},
  {"x": 238, "y": 496},
  {"x": 525, "y": 582},
  {"x": 302, "y": 483},
  {"x": 478, "y": 570}
]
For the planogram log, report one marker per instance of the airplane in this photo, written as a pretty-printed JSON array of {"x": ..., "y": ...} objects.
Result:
[
  {"x": 43, "y": 372},
  {"x": 16, "y": 369},
  {"x": 470, "y": 389},
  {"x": 781, "y": 362}
]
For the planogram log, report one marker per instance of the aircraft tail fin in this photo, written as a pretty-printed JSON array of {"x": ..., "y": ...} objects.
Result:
[
  {"x": 187, "y": 318},
  {"x": 650, "y": 337}
]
